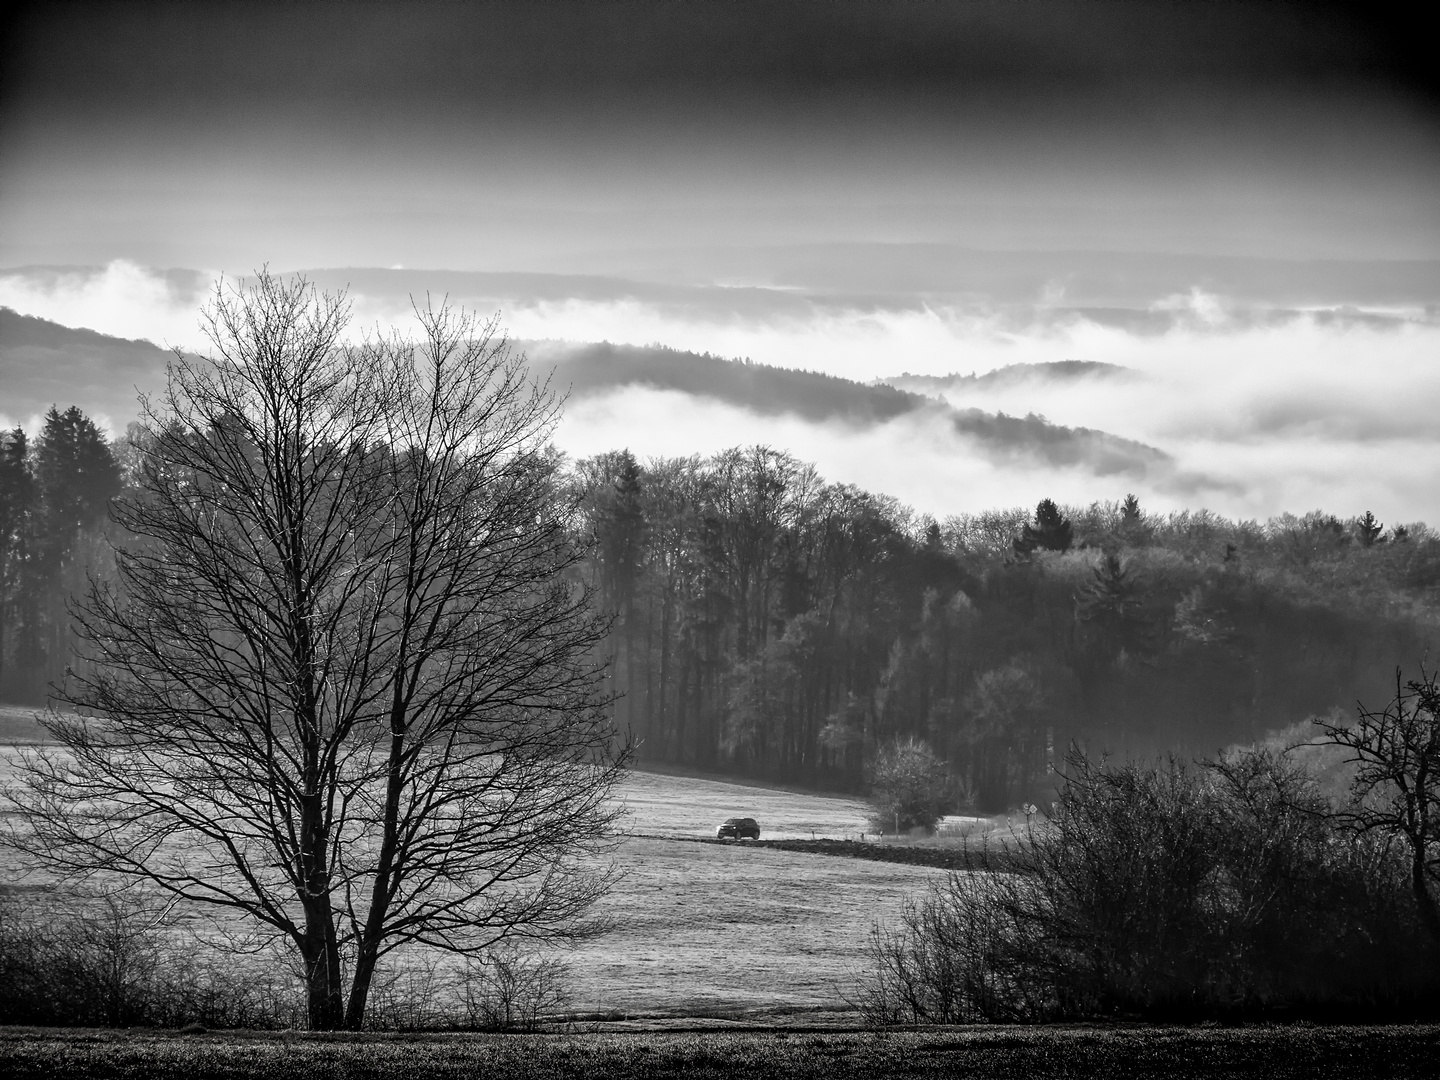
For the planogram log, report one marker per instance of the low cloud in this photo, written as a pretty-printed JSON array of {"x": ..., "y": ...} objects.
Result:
[
  {"x": 121, "y": 299},
  {"x": 1292, "y": 401}
]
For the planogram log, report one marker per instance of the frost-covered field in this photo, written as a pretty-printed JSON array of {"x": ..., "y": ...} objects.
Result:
[
  {"x": 677, "y": 806},
  {"x": 701, "y": 927},
  {"x": 19, "y": 726},
  {"x": 706, "y": 927}
]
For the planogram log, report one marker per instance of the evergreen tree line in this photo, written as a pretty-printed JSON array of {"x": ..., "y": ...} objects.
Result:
[
  {"x": 54, "y": 496},
  {"x": 774, "y": 625}
]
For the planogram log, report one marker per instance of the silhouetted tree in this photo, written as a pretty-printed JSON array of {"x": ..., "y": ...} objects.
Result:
[
  {"x": 344, "y": 688},
  {"x": 17, "y": 493},
  {"x": 1369, "y": 529},
  {"x": 1051, "y": 531},
  {"x": 1396, "y": 789}
]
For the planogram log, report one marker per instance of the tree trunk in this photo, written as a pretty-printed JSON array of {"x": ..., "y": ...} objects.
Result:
[
  {"x": 1420, "y": 885},
  {"x": 321, "y": 952},
  {"x": 365, "y": 960},
  {"x": 369, "y": 945}
]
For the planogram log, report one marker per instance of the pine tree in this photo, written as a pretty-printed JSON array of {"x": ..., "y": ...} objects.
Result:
[
  {"x": 1051, "y": 531},
  {"x": 17, "y": 495},
  {"x": 1369, "y": 529}
]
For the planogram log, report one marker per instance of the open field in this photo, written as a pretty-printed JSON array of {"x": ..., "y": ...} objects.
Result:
[
  {"x": 666, "y": 804},
  {"x": 18, "y": 725},
  {"x": 1121, "y": 1053},
  {"x": 662, "y": 804},
  {"x": 728, "y": 929}
]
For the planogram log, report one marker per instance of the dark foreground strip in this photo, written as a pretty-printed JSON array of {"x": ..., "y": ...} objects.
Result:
[{"x": 995, "y": 1053}]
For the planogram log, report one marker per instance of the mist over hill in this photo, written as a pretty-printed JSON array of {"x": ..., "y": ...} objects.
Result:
[
  {"x": 44, "y": 364},
  {"x": 1009, "y": 376},
  {"x": 1141, "y": 293},
  {"x": 592, "y": 370}
]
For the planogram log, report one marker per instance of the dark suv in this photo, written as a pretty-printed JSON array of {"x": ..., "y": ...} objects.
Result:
[{"x": 738, "y": 828}]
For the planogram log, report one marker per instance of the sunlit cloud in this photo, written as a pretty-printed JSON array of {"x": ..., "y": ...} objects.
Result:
[
  {"x": 1254, "y": 410},
  {"x": 121, "y": 299}
]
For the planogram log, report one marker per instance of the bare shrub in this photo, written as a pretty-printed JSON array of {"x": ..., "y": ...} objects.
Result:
[
  {"x": 513, "y": 989},
  {"x": 116, "y": 961},
  {"x": 951, "y": 960},
  {"x": 1164, "y": 891},
  {"x": 409, "y": 999}
]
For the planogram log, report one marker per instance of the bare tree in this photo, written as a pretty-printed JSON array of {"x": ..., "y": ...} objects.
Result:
[
  {"x": 345, "y": 685},
  {"x": 1396, "y": 787}
]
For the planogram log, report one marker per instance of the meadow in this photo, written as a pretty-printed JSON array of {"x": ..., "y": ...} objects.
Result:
[
  {"x": 734, "y": 930},
  {"x": 705, "y": 929}
]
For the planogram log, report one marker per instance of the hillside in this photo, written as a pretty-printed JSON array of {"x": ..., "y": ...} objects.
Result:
[
  {"x": 589, "y": 370},
  {"x": 43, "y": 363}
]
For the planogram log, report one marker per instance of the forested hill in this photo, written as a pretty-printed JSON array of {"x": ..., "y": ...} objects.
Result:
[
  {"x": 772, "y": 624},
  {"x": 1058, "y": 371},
  {"x": 590, "y": 369},
  {"x": 43, "y": 364},
  {"x": 586, "y": 370}
]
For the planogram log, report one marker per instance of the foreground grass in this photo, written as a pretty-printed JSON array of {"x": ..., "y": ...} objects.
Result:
[{"x": 990, "y": 1052}]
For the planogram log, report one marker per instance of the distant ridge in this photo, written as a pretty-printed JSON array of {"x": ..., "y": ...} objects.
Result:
[
  {"x": 761, "y": 388},
  {"x": 590, "y": 370},
  {"x": 1010, "y": 375},
  {"x": 43, "y": 363}
]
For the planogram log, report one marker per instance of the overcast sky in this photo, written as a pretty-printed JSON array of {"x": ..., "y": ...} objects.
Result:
[{"x": 832, "y": 186}]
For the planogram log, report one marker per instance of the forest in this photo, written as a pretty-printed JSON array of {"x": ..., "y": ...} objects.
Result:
[{"x": 771, "y": 624}]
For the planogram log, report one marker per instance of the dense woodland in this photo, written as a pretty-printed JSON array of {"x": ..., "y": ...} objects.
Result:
[{"x": 772, "y": 624}]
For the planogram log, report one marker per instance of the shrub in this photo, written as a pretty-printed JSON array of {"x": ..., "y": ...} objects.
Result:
[
  {"x": 909, "y": 788},
  {"x": 513, "y": 989},
  {"x": 1167, "y": 892},
  {"x": 114, "y": 961},
  {"x": 117, "y": 961}
]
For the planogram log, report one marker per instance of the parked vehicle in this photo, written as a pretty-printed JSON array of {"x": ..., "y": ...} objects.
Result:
[{"x": 738, "y": 828}]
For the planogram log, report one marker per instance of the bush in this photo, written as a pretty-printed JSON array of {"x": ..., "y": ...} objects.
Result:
[
  {"x": 114, "y": 961},
  {"x": 909, "y": 788},
  {"x": 117, "y": 961},
  {"x": 513, "y": 990},
  {"x": 1164, "y": 892}
]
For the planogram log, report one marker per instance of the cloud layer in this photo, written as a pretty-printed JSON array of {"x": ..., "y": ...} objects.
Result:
[{"x": 1248, "y": 408}]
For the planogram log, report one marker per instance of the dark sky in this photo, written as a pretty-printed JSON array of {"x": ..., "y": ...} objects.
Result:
[
  {"x": 1228, "y": 198},
  {"x": 568, "y": 137}
]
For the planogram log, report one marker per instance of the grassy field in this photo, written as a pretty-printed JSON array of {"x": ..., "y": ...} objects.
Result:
[
  {"x": 18, "y": 726},
  {"x": 664, "y": 804},
  {"x": 995, "y": 1053},
  {"x": 704, "y": 928},
  {"x": 720, "y": 929}
]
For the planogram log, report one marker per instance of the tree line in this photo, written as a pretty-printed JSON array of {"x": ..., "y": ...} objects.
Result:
[
  {"x": 55, "y": 491},
  {"x": 773, "y": 624}
]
